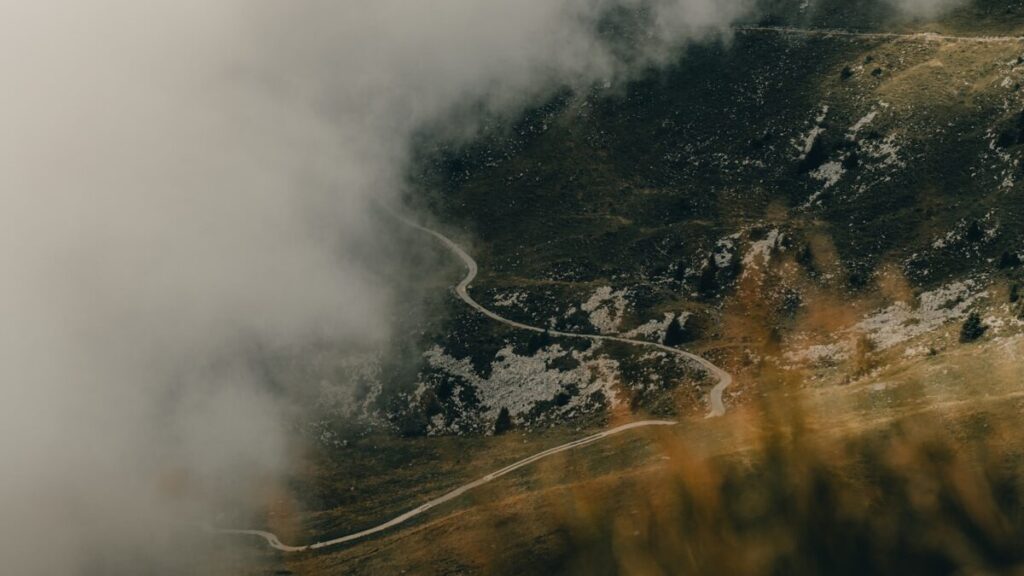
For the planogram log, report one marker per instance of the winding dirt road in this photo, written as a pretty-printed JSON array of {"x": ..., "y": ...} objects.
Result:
[
  {"x": 276, "y": 543},
  {"x": 723, "y": 378},
  {"x": 839, "y": 33},
  {"x": 717, "y": 408}
]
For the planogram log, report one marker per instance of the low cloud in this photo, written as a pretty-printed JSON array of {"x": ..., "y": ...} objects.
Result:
[
  {"x": 182, "y": 186},
  {"x": 925, "y": 8}
]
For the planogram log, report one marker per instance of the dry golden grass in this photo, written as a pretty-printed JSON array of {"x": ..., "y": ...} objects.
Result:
[{"x": 934, "y": 493}]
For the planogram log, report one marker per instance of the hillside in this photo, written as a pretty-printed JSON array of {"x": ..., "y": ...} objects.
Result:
[
  {"x": 815, "y": 204},
  {"x": 769, "y": 191}
]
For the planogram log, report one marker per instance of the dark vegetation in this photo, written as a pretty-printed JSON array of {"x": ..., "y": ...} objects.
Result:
[
  {"x": 909, "y": 500},
  {"x": 503, "y": 423},
  {"x": 973, "y": 328},
  {"x": 675, "y": 334}
]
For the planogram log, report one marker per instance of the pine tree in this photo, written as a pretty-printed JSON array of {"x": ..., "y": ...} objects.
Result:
[
  {"x": 675, "y": 334},
  {"x": 503, "y": 423},
  {"x": 816, "y": 156},
  {"x": 973, "y": 328},
  {"x": 975, "y": 233},
  {"x": 805, "y": 257},
  {"x": 1009, "y": 260},
  {"x": 707, "y": 285},
  {"x": 538, "y": 341}
]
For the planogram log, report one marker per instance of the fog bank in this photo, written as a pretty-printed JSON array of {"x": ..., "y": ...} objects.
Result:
[
  {"x": 180, "y": 184},
  {"x": 926, "y": 8}
]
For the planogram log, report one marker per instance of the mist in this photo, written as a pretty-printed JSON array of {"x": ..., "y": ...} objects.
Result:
[
  {"x": 183, "y": 186},
  {"x": 925, "y": 8}
]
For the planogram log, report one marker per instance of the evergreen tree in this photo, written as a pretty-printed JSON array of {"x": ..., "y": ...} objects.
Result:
[
  {"x": 538, "y": 341},
  {"x": 707, "y": 285},
  {"x": 503, "y": 423},
  {"x": 805, "y": 257},
  {"x": 973, "y": 328},
  {"x": 975, "y": 233},
  {"x": 816, "y": 156},
  {"x": 675, "y": 334},
  {"x": 680, "y": 273},
  {"x": 1009, "y": 260}
]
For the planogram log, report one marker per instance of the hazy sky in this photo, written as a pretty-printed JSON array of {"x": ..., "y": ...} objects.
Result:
[{"x": 179, "y": 183}]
